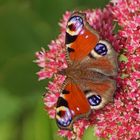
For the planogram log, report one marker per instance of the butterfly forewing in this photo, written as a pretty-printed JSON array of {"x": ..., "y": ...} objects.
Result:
[
  {"x": 71, "y": 104},
  {"x": 80, "y": 38}
]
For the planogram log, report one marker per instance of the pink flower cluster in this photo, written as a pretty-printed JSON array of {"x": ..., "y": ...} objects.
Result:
[{"x": 119, "y": 120}]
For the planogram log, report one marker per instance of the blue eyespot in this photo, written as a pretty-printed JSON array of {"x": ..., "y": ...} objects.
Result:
[
  {"x": 76, "y": 19},
  {"x": 101, "y": 49},
  {"x": 64, "y": 117},
  {"x": 94, "y": 100},
  {"x": 75, "y": 24}
]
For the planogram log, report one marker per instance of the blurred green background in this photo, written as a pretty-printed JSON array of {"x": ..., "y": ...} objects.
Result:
[{"x": 25, "y": 27}]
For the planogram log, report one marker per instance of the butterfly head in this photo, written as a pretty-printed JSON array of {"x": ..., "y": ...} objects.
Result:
[{"x": 68, "y": 72}]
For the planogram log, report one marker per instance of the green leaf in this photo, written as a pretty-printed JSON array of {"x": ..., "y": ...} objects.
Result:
[
  {"x": 89, "y": 134},
  {"x": 123, "y": 75},
  {"x": 123, "y": 58}
]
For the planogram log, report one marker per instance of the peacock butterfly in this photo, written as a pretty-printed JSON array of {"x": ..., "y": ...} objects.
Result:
[{"x": 90, "y": 75}]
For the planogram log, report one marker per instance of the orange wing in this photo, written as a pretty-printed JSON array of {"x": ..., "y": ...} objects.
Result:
[
  {"x": 71, "y": 104},
  {"x": 80, "y": 37}
]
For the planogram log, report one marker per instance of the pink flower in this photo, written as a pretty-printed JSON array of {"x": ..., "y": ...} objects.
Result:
[{"x": 119, "y": 120}]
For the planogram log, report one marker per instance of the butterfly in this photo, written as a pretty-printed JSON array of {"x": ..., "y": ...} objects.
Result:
[{"x": 90, "y": 76}]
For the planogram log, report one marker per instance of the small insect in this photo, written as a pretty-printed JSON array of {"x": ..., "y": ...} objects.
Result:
[{"x": 92, "y": 68}]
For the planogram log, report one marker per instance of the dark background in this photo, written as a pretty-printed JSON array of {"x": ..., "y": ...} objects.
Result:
[{"x": 25, "y": 27}]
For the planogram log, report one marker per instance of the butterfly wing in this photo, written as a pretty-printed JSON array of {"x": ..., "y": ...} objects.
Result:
[
  {"x": 80, "y": 37},
  {"x": 76, "y": 101},
  {"x": 98, "y": 92},
  {"x": 84, "y": 45},
  {"x": 102, "y": 59},
  {"x": 71, "y": 104}
]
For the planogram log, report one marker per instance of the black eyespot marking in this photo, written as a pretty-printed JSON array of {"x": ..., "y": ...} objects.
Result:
[
  {"x": 65, "y": 91},
  {"x": 61, "y": 102},
  {"x": 70, "y": 38},
  {"x": 70, "y": 50},
  {"x": 94, "y": 100},
  {"x": 72, "y": 27},
  {"x": 101, "y": 49},
  {"x": 59, "y": 113}
]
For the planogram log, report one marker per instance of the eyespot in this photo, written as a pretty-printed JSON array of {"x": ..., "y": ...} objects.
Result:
[
  {"x": 94, "y": 100},
  {"x": 63, "y": 116},
  {"x": 75, "y": 25},
  {"x": 101, "y": 49}
]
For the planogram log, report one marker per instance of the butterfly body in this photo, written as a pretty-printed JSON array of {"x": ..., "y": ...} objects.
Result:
[
  {"x": 78, "y": 72},
  {"x": 90, "y": 75}
]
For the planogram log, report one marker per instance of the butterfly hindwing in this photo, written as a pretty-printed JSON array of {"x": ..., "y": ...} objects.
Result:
[
  {"x": 102, "y": 58},
  {"x": 99, "y": 92},
  {"x": 71, "y": 104}
]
